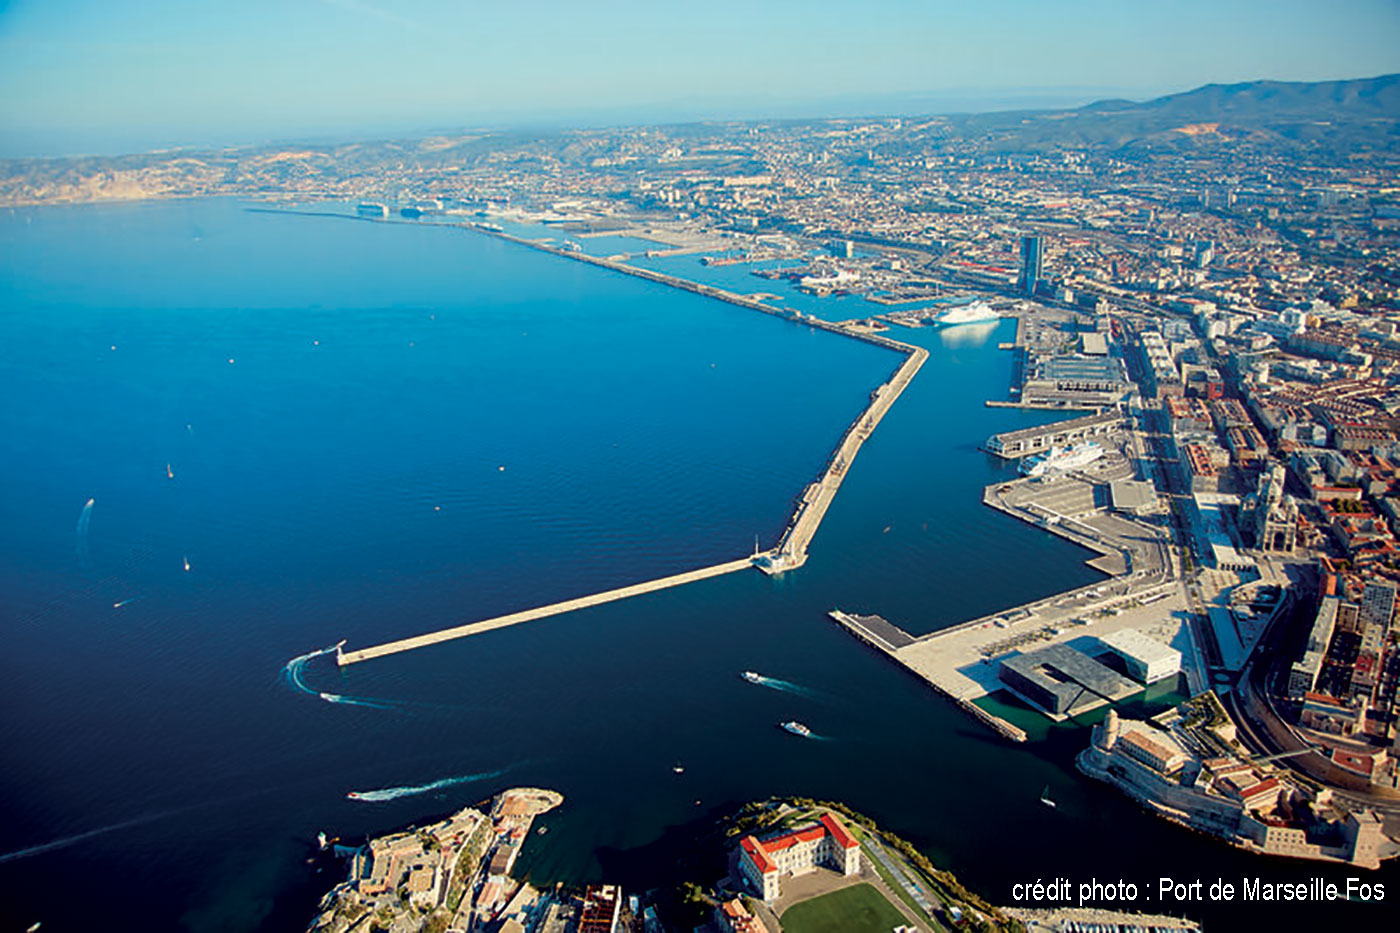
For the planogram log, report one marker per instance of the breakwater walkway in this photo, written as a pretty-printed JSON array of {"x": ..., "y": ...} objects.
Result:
[
  {"x": 791, "y": 550},
  {"x": 345, "y": 658}
]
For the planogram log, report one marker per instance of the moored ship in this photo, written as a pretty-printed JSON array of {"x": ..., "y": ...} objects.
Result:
[
  {"x": 1060, "y": 459},
  {"x": 974, "y": 313}
]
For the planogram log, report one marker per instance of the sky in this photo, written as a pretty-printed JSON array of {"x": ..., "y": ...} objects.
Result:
[{"x": 108, "y": 76}]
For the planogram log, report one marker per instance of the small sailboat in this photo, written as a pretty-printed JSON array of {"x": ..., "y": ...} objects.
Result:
[{"x": 1045, "y": 797}]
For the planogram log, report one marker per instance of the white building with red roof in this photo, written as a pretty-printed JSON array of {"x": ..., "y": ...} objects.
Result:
[{"x": 825, "y": 843}]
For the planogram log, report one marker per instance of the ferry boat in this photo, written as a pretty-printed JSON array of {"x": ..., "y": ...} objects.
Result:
[
  {"x": 796, "y": 728},
  {"x": 974, "y": 313},
  {"x": 1062, "y": 458},
  {"x": 752, "y": 677}
]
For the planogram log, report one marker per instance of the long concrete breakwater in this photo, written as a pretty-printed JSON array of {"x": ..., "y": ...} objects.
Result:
[
  {"x": 345, "y": 658},
  {"x": 791, "y": 550}
]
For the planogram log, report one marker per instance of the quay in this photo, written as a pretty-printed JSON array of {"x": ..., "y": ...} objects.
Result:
[
  {"x": 346, "y": 658},
  {"x": 1142, "y": 590},
  {"x": 889, "y": 638},
  {"x": 791, "y": 550}
]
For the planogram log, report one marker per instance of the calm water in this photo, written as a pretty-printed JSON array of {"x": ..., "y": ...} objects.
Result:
[{"x": 381, "y": 429}]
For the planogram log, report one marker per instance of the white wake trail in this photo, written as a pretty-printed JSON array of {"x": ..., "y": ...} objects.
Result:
[{"x": 394, "y": 793}]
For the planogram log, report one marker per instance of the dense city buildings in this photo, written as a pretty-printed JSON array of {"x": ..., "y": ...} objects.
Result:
[{"x": 1207, "y": 296}]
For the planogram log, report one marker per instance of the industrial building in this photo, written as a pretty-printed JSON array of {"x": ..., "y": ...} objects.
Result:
[
  {"x": 1146, "y": 658},
  {"x": 1036, "y": 440}
]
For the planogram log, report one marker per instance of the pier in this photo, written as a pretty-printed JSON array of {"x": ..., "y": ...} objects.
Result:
[
  {"x": 791, "y": 550},
  {"x": 1142, "y": 590},
  {"x": 889, "y": 638}
]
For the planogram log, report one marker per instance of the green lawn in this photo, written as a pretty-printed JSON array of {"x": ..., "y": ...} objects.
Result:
[{"x": 857, "y": 909}]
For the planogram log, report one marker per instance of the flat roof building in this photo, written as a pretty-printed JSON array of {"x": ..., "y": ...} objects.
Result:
[
  {"x": 1146, "y": 658},
  {"x": 1061, "y": 680},
  {"x": 1026, "y": 441},
  {"x": 1131, "y": 495}
]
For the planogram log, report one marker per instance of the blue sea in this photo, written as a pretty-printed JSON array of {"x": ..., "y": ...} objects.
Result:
[{"x": 233, "y": 438}]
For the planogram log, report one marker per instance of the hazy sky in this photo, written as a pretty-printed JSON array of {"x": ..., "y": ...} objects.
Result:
[{"x": 119, "y": 74}]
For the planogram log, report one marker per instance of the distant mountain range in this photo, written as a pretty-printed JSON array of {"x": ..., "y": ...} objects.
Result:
[
  {"x": 1364, "y": 97},
  {"x": 1324, "y": 122},
  {"x": 1326, "y": 115}
]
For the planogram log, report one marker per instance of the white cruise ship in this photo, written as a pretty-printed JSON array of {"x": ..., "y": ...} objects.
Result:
[
  {"x": 973, "y": 313},
  {"x": 1060, "y": 459}
]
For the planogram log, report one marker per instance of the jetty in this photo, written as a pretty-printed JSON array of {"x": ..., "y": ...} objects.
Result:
[
  {"x": 345, "y": 658},
  {"x": 888, "y": 638},
  {"x": 791, "y": 550}
]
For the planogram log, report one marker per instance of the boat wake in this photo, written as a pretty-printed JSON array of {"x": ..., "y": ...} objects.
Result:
[
  {"x": 67, "y": 841},
  {"x": 394, "y": 793},
  {"x": 292, "y": 672},
  {"x": 355, "y": 701},
  {"x": 776, "y": 683},
  {"x": 81, "y": 535}
]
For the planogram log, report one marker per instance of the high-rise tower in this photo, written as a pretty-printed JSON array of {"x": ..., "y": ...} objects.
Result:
[{"x": 1030, "y": 263}]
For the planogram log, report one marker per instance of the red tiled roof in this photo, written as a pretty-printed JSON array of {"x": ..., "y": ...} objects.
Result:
[
  {"x": 759, "y": 852},
  {"x": 755, "y": 852},
  {"x": 838, "y": 832},
  {"x": 1263, "y": 786}
]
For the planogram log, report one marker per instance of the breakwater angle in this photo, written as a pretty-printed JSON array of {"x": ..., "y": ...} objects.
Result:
[{"x": 791, "y": 549}]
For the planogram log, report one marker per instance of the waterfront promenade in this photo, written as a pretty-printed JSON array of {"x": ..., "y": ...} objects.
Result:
[{"x": 791, "y": 550}]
